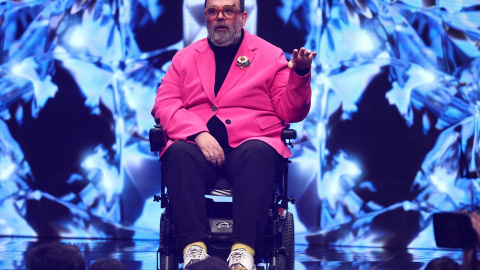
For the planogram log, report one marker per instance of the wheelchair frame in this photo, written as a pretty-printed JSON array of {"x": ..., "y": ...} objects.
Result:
[{"x": 280, "y": 255}]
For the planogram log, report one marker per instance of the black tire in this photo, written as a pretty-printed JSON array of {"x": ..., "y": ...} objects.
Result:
[
  {"x": 286, "y": 260},
  {"x": 281, "y": 262},
  {"x": 167, "y": 261}
]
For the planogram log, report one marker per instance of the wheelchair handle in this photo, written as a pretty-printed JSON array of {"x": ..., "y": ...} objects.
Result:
[{"x": 288, "y": 135}]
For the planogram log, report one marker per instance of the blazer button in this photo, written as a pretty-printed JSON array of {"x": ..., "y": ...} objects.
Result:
[
  {"x": 228, "y": 121},
  {"x": 214, "y": 108}
]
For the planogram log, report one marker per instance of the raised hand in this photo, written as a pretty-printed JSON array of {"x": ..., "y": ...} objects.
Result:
[{"x": 301, "y": 59}]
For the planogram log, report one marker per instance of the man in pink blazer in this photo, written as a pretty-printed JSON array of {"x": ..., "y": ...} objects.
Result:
[{"x": 223, "y": 103}]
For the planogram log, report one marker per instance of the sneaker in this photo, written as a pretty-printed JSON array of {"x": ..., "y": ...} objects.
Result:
[
  {"x": 192, "y": 255},
  {"x": 240, "y": 259}
]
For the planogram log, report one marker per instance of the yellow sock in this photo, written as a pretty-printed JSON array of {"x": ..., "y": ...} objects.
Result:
[
  {"x": 200, "y": 244},
  {"x": 250, "y": 250}
]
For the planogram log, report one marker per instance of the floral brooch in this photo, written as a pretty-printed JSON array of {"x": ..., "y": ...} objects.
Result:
[{"x": 243, "y": 62}]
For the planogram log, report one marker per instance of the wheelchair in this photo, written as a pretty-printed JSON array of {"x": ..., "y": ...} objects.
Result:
[{"x": 276, "y": 250}]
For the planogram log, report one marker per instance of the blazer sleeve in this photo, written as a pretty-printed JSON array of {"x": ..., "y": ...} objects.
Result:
[
  {"x": 178, "y": 123},
  {"x": 290, "y": 93}
]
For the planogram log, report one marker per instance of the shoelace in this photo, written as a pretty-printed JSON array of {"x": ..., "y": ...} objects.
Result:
[
  {"x": 236, "y": 257},
  {"x": 195, "y": 253}
]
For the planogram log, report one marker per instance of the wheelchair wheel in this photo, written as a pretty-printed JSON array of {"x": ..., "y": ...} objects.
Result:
[
  {"x": 167, "y": 261},
  {"x": 286, "y": 260}
]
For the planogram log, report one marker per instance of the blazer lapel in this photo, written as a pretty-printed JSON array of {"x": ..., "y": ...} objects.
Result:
[
  {"x": 247, "y": 48},
  {"x": 205, "y": 62}
]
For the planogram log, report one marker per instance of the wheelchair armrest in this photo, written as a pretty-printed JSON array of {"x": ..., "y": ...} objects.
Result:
[{"x": 157, "y": 137}]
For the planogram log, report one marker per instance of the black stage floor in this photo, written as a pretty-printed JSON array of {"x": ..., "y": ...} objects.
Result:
[{"x": 141, "y": 255}]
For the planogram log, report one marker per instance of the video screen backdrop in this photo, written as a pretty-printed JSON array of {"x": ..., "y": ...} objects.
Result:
[{"x": 392, "y": 135}]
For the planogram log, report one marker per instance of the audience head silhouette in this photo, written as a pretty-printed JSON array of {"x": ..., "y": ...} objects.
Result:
[
  {"x": 107, "y": 264},
  {"x": 55, "y": 255}
]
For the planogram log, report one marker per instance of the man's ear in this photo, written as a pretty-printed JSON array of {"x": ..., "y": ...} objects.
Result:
[{"x": 244, "y": 18}]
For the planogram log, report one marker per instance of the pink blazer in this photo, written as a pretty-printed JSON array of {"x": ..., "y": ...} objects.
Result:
[{"x": 255, "y": 104}]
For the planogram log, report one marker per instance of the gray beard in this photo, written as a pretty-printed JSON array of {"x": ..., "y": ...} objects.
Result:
[
  {"x": 221, "y": 39},
  {"x": 224, "y": 39}
]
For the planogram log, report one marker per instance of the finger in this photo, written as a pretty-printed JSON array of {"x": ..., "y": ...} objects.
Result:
[
  {"x": 295, "y": 54},
  {"x": 217, "y": 153},
  {"x": 221, "y": 156},
  {"x": 206, "y": 154},
  {"x": 218, "y": 157},
  {"x": 302, "y": 52},
  {"x": 204, "y": 149},
  {"x": 210, "y": 153},
  {"x": 214, "y": 162},
  {"x": 312, "y": 55},
  {"x": 213, "y": 158}
]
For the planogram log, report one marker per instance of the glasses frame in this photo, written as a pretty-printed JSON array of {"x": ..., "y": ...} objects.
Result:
[{"x": 237, "y": 11}]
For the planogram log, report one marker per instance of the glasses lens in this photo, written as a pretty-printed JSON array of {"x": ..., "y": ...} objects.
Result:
[
  {"x": 229, "y": 12},
  {"x": 211, "y": 12}
]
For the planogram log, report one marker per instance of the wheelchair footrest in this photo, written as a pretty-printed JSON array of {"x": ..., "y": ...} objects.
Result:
[{"x": 221, "y": 226}]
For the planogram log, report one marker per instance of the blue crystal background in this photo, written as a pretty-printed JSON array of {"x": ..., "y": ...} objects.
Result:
[{"x": 392, "y": 135}]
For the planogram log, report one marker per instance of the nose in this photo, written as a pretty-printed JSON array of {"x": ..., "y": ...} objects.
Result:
[{"x": 220, "y": 16}]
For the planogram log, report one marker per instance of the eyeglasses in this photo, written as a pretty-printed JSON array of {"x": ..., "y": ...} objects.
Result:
[{"x": 229, "y": 12}]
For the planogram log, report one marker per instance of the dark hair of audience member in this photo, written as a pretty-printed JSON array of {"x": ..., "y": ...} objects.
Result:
[
  {"x": 443, "y": 263},
  {"x": 55, "y": 255},
  {"x": 107, "y": 264}
]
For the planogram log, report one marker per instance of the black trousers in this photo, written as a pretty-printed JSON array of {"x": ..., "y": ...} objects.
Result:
[{"x": 251, "y": 168}]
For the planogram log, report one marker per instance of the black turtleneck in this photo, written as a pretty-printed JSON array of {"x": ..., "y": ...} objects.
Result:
[
  {"x": 224, "y": 57},
  {"x": 223, "y": 60}
]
